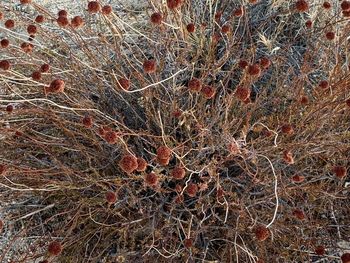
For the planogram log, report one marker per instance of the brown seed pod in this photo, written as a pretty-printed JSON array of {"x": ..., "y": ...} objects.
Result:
[
  {"x": 192, "y": 189},
  {"x": 173, "y": 4},
  {"x": 141, "y": 165},
  {"x": 151, "y": 179},
  {"x": 36, "y": 75},
  {"x": 123, "y": 83},
  {"x": 308, "y": 23},
  {"x": 178, "y": 173},
  {"x": 323, "y": 84},
  {"x": 345, "y": 5},
  {"x": 2, "y": 169},
  {"x": 190, "y": 28},
  {"x": 265, "y": 62},
  {"x": 157, "y": 18},
  {"x": 5, "y": 65},
  {"x": 163, "y": 152},
  {"x": 298, "y": 178},
  {"x": 149, "y": 66},
  {"x": 39, "y": 19},
  {"x": 9, "y": 109},
  {"x": 27, "y": 47},
  {"x": 261, "y": 233},
  {"x": 304, "y": 100},
  {"x": 225, "y": 29},
  {"x": 320, "y": 250},
  {"x": 301, "y": 6},
  {"x": 57, "y": 86},
  {"x": 299, "y": 214},
  {"x": 32, "y": 29},
  {"x": 330, "y": 35},
  {"x": 94, "y": 7},
  {"x": 243, "y": 64},
  {"x": 4, "y": 43},
  {"x": 348, "y": 102},
  {"x": 242, "y": 93},
  {"x": 195, "y": 85},
  {"x": 1, "y": 225},
  {"x": 128, "y": 163},
  {"x": 339, "y": 171},
  {"x": 45, "y": 68},
  {"x": 62, "y": 21},
  {"x": 24, "y": 2},
  {"x": 188, "y": 243},
  {"x": 9, "y": 24},
  {"x": 106, "y": 10},
  {"x": 54, "y": 248},
  {"x": 287, "y": 129},
  {"x": 163, "y": 161},
  {"x": 238, "y": 12},
  {"x": 254, "y": 70},
  {"x": 345, "y": 258},
  {"x": 77, "y": 22},
  {"x": 326, "y": 5},
  {"x": 111, "y": 197},
  {"x": 62, "y": 13},
  {"x": 87, "y": 121},
  {"x": 111, "y": 137},
  {"x": 288, "y": 157},
  {"x": 208, "y": 91}
]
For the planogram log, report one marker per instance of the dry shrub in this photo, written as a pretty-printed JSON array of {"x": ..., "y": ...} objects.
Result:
[{"x": 196, "y": 136}]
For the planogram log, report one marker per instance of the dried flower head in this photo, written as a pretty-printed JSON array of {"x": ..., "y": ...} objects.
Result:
[
  {"x": 45, "y": 68},
  {"x": 308, "y": 23},
  {"x": 254, "y": 70},
  {"x": 62, "y": 13},
  {"x": 57, "y": 86},
  {"x": 141, "y": 165},
  {"x": 326, "y": 5},
  {"x": 298, "y": 178},
  {"x": 195, "y": 85},
  {"x": 345, "y": 5},
  {"x": 242, "y": 93},
  {"x": 39, "y": 19},
  {"x": 299, "y": 214},
  {"x": 320, "y": 250},
  {"x": 24, "y": 2},
  {"x": 208, "y": 91},
  {"x": 106, "y": 10},
  {"x": 190, "y": 28},
  {"x": 77, "y": 22},
  {"x": 9, "y": 24},
  {"x": 163, "y": 152},
  {"x": 111, "y": 137},
  {"x": 54, "y": 248},
  {"x": 62, "y": 21},
  {"x": 304, "y": 100},
  {"x": 265, "y": 62},
  {"x": 192, "y": 189},
  {"x": 262, "y": 233},
  {"x": 27, "y": 47},
  {"x": 225, "y": 29},
  {"x": 345, "y": 258},
  {"x": 151, "y": 179},
  {"x": 111, "y": 197},
  {"x": 87, "y": 121},
  {"x": 188, "y": 243},
  {"x": 32, "y": 29},
  {"x": 339, "y": 171},
  {"x": 4, "y": 43},
  {"x": 128, "y": 163},
  {"x": 5, "y": 65},
  {"x": 238, "y": 12},
  {"x": 123, "y": 83},
  {"x": 287, "y": 129},
  {"x": 36, "y": 75},
  {"x": 157, "y": 18},
  {"x": 288, "y": 157},
  {"x": 2, "y": 169},
  {"x": 149, "y": 66},
  {"x": 330, "y": 35},
  {"x": 163, "y": 161},
  {"x": 323, "y": 84},
  {"x": 243, "y": 64},
  {"x": 94, "y": 7},
  {"x": 9, "y": 108},
  {"x": 172, "y": 4},
  {"x": 348, "y": 102},
  {"x": 301, "y": 6},
  {"x": 178, "y": 173}
]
